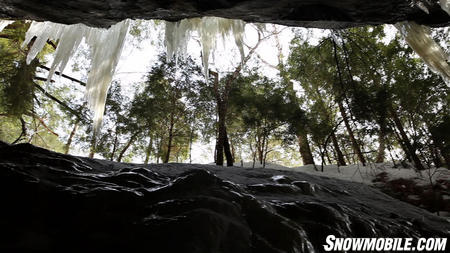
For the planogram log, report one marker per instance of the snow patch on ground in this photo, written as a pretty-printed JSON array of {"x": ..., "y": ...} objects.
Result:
[
  {"x": 427, "y": 189},
  {"x": 363, "y": 174}
]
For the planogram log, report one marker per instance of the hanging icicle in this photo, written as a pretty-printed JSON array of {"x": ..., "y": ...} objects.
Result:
[
  {"x": 445, "y": 5},
  {"x": 106, "y": 46},
  {"x": 4, "y": 23},
  {"x": 419, "y": 39},
  {"x": 209, "y": 29}
]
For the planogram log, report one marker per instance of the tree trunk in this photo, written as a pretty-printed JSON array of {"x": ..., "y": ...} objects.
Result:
[
  {"x": 160, "y": 141},
  {"x": 169, "y": 142},
  {"x": 260, "y": 148},
  {"x": 405, "y": 139},
  {"x": 355, "y": 144},
  {"x": 23, "y": 133},
  {"x": 69, "y": 141},
  {"x": 114, "y": 146},
  {"x": 149, "y": 150},
  {"x": 215, "y": 150},
  {"x": 92, "y": 148},
  {"x": 191, "y": 134},
  {"x": 119, "y": 159},
  {"x": 222, "y": 146},
  {"x": 382, "y": 144},
  {"x": 227, "y": 150},
  {"x": 220, "y": 138},
  {"x": 350, "y": 158},
  {"x": 263, "y": 147},
  {"x": 34, "y": 130},
  {"x": 222, "y": 104},
  {"x": 233, "y": 154},
  {"x": 328, "y": 156},
  {"x": 444, "y": 152},
  {"x": 266, "y": 152},
  {"x": 177, "y": 155},
  {"x": 253, "y": 152},
  {"x": 340, "y": 156},
  {"x": 305, "y": 150},
  {"x": 402, "y": 144}
]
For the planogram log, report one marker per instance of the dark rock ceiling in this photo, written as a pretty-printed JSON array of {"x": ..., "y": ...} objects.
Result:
[{"x": 306, "y": 13}]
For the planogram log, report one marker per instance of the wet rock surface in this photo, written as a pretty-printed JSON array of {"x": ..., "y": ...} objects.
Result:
[
  {"x": 306, "y": 13},
  {"x": 58, "y": 203}
]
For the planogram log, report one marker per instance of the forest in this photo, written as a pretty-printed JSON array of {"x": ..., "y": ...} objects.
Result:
[{"x": 354, "y": 96}]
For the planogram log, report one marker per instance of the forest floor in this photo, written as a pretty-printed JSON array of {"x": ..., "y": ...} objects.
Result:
[{"x": 428, "y": 189}]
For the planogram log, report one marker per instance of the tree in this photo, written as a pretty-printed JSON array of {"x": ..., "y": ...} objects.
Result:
[
  {"x": 262, "y": 109},
  {"x": 24, "y": 98},
  {"x": 379, "y": 89},
  {"x": 165, "y": 107}
]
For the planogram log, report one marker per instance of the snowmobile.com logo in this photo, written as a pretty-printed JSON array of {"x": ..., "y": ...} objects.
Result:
[{"x": 385, "y": 244}]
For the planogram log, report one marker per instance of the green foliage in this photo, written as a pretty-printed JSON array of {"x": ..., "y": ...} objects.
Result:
[
  {"x": 18, "y": 91},
  {"x": 167, "y": 104},
  {"x": 373, "y": 78},
  {"x": 22, "y": 108}
]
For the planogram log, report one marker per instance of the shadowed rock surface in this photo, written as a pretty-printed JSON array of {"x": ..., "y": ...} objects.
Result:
[
  {"x": 306, "y": 13},
  {"x": 59, "y": 203}
]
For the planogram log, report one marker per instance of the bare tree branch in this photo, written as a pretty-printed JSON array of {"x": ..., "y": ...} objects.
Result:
[
  {"x": 75, "y": 113},
  {"x": 35, "y": 116},
  {"x": 63, "y": 75}
]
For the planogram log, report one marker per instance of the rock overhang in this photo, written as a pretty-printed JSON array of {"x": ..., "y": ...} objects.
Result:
[{"x": 305, "y": 13}]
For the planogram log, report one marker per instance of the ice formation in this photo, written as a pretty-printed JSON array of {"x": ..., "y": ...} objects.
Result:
[
  {"x": 209, "y": 29},
  {"x": 419, "y": 39},
  {"x": 422, "y": 6},
  {"x": 105, "y": 46},
  {"x": 445, "y": 4},
  {"x": 4, "y": 23}
]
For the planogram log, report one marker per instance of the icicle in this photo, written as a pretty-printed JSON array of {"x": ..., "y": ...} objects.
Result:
[
  {"x": 419, "y": 39},
  {"x": 43, "y": 32},
  {"x": 445, "y": 5},
  {"x": 169, "y": 39},
  {"x": 5, "y": 23},
  {"x": 67, "y": 46},
  {"x": 106, "y": 47},
  {"x": 208, "y": 28},
  {"x": 238, "y": 32},
  {"x": 422, "y": 6}
]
